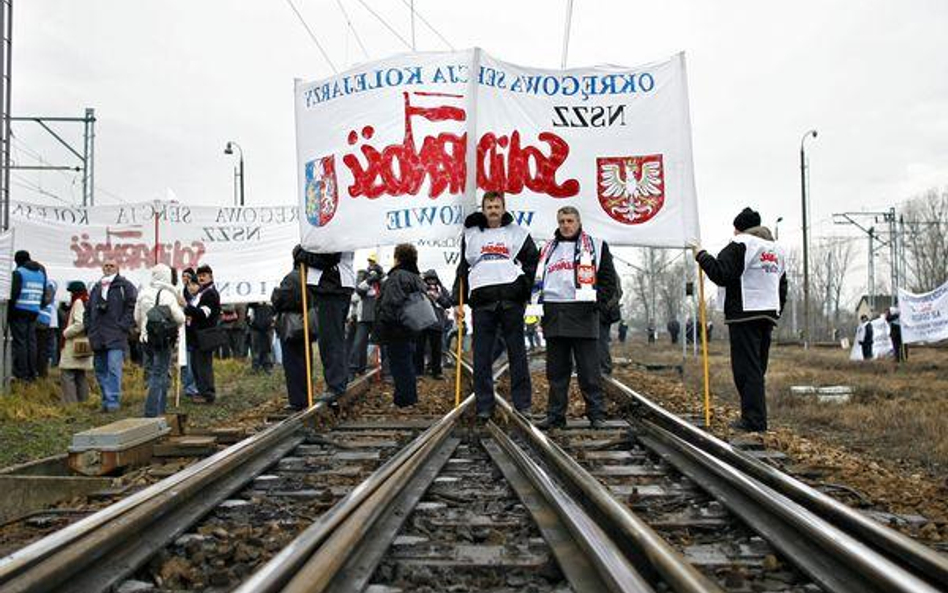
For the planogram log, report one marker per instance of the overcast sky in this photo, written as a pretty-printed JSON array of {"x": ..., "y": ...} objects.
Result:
[{"x": 173, "y": 81}]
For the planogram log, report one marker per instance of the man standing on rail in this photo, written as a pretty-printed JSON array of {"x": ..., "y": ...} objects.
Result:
[
  {"x": 752, "y": 270},
  {"x": 576, "y": 277},
  {"x": 334, "y": 279},
  {"x": 498, "y": 263}
]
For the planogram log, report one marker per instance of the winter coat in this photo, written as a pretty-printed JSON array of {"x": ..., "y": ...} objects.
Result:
[
  {"x": 160, "y": 283},
  {"x": 108, "y": 321},
  {"x": 726, "y": 271},
  {"x": 204, "y": 313},
  {"x": 16, "y": 287},
  {"x": 439, "y": 297},
  {"x": 367, "y": 287},
  {"x": 73, "y": 328},
  {"x": 330, "y": 282},
  {"x": 402, "y": 281},
  {"x": 581, "y": 319},
  {"x": 513, "y": 293}
]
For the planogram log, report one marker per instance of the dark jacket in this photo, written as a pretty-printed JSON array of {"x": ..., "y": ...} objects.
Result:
[
  {"x": 439, "y": 297},
  {"x": 402, "y": 281},
  {"x": 367, "y": 281},
  {"x": 109, "y": 320},
  {"x": 726, "y": 271},
  {"x": 204, "y": 314},
  {"x": 330, "y": 283},
  {"x": 514, "y": 293},
  {"x": 578, "y": 319},
  {"x": 17, "y": 285}
]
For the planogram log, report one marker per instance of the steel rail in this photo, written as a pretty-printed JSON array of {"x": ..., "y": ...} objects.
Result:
[
  {"x": 611, "y": 564},
  {"x": 640, "y": 542},
  {"x": 80, "y": 537},
  {"x": 834, "y": 559},
  {"x": 281, "y": 569},
  {"x": 923, "y": 561}
]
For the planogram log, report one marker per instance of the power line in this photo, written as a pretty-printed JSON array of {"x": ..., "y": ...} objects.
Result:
[
  {"x": 429, "y": 25},
  {"x": 25, "y": 184},
  {"x": 384, "y": 22},
  {"x": 352, "y": 28},
  {"x": 312, "y": 36}
]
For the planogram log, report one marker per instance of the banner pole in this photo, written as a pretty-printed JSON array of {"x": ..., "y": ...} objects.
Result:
[
  {"x": 156, "y": 237},
  {"x": 703, "y": 314},
  {"x": 457, "y": 366},
  {"x": 306, "y": 349}
]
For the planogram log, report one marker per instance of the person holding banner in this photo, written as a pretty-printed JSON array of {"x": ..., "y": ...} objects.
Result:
[
  {"x": 577, "y": 277},
  {"x": 333, "y": 277},
  {"x": 496, "y": 271},
  {"x": 752, "y": 270}
]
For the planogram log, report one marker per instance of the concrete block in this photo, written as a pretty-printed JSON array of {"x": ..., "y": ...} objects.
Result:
[{"x": 119, "y": 435}]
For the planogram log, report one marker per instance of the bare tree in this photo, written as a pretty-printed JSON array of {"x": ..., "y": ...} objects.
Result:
[
  {"x": 926, "y": 239},
  {"x": 832, "y": 257}
]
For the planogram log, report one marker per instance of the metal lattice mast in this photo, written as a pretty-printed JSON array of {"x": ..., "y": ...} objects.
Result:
[{"x": 6, "y": 82}]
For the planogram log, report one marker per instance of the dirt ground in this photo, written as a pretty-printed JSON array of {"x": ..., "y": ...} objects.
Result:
[{"x": 888, "y": 445}]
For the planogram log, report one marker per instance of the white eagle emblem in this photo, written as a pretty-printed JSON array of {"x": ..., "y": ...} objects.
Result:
[{"x": 631, "y": 189}]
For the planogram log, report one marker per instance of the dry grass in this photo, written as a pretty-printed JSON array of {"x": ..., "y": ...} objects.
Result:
[{"x": 899, "y": 412}]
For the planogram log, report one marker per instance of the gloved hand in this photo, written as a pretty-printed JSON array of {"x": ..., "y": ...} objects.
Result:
[{"x": 694, "y": 246}]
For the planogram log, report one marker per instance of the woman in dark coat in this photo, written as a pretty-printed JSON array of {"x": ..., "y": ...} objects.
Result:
[
  {"x": 402, "y": 281},
  {"x": 287, "y": 299}
]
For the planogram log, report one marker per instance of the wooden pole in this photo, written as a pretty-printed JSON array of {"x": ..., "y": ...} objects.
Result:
[
  {"x": 309, "y": 358},
  {"x": 703, "y": 316},
  {"x": 457, "y": 367}
]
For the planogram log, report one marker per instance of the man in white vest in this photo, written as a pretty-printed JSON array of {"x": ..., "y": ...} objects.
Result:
[
  {"x": 752, "y": 270},
  {"x": 498, "y": 263},
  {"x": 577, "y": 278}
]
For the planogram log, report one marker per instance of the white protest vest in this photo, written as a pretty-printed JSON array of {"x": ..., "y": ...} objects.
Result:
[
  {"x": 559, "y": 286},
  {"x": 764, "y": 264},
  {"x": 490, "y": 254},
  {"x": 347, "y": 277}
]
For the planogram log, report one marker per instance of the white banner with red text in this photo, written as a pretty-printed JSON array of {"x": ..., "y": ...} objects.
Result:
[
  {"x": 249, "y": 249},
  {"x": 383, "y": 153}
]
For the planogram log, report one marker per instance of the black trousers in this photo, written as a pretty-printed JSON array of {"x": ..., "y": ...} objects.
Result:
[
  {"x": 403, "y": 372},
  {"x": 294, "y": 370},
  {"x": 508, "y": 322},
  {"x": 429, "y": 342},
  {"x": 358, "y": 356},
  {"x": 331, "y": 315},
  {"x": 560, "y": 353},
  {"x": 260, "y": 346},
  {"x": 23, "y": 332},
  {"x": 750, "y": 351},
  {"x": 202, "y": 367},
  {"x": 605, "y": 357}
]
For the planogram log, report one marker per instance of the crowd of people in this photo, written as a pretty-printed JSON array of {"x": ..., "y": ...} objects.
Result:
[{"x": 400, "y": 319}]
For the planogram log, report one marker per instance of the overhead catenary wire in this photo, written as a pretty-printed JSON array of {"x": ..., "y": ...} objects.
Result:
[
  {"x": 424, "y": 21},
  {"x": 312, "y": 36},
  {"x": 385, "y": 23},
  {"x": 352, "y": 28}
]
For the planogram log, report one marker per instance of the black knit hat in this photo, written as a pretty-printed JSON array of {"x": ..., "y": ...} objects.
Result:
[
  {"x": 21, "y": 257},
  {"x": 76, "y": 286},
  {"x": 746, "y": 219}
]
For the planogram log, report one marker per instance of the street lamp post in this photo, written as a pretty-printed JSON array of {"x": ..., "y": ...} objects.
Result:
[
  {"x": 777, "y": 228},
  {"x": 229, "y": 149},
  {"x": 806, "y": 252}
]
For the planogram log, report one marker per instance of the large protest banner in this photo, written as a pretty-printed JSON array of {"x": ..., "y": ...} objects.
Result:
[
  {"x": 248, "y": 248},
  {"x": 383, "y": 154},
  {"x": 924, "y": 317}
]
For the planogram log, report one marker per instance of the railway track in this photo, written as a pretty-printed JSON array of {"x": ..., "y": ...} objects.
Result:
[{"x": 384, "y": 504}]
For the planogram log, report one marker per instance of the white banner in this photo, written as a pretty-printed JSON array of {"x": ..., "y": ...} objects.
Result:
[
  {"x": 249, "y": 249},
  {"x": 924, "y": 317},
  {"x": 383, "y": 157},
  {"x": 6, "y": 263}
]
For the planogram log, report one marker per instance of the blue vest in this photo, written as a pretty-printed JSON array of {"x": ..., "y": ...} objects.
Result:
[{"x": 32, "y": 287}]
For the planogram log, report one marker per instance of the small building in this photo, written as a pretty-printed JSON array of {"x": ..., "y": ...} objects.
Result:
[{"x": 882, "y": 302}]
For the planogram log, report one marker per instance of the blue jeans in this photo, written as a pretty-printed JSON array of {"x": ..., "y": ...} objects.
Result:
[
  {"x": 187, "y": 378},
  {"x": 158, "y": 380},
  {"x": 108, "y": 372}
]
